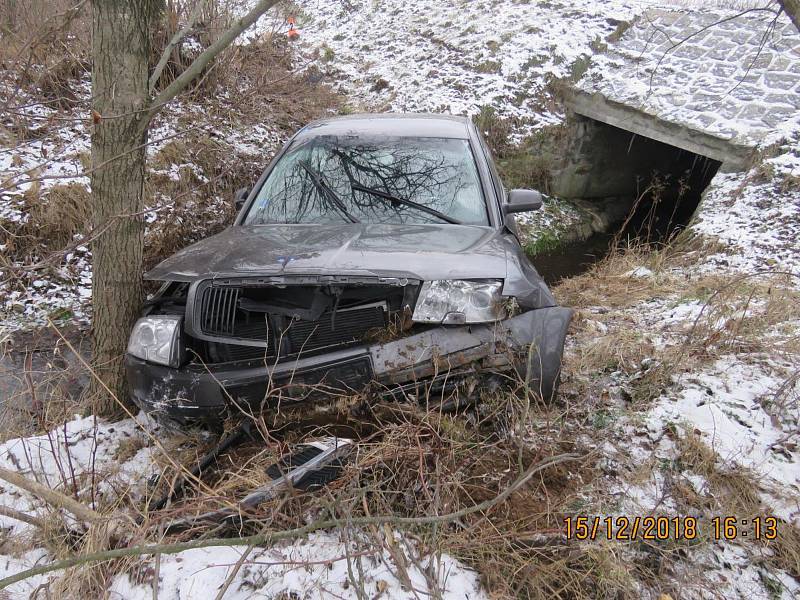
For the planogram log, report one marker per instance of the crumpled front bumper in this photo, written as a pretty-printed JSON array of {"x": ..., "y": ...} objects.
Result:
[{"x": 532, "y": 343}]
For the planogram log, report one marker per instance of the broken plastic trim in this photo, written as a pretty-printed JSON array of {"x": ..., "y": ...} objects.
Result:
[{"x": 333, "y": 450}]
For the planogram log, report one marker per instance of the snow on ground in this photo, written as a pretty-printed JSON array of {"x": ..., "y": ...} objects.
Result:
[
  {"x": 10, "y": 565},
  {"x": 455, "y": 56},
  {"x": 81, "y": 457},
  {"x": 742, "y": 410},
  {"x": 730, "y": 571},
  {"x": 31, "y": 169},
  {"x": 321, "y": 565},
  {"x": 744, "y": 407},
  {"x": 99, "y": 461},
  {"x": 756, "y": 215}
]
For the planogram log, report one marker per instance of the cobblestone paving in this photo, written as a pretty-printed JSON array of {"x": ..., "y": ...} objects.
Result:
[{"x": 738, "y": 79}]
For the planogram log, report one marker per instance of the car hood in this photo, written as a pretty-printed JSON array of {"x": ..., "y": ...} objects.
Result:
[{"x": 424, "y": 251}]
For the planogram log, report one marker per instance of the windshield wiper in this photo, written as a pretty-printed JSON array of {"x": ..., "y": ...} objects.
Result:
[
  {"x": 326, "y": 191},
  {"x": 403, "y": 201}
]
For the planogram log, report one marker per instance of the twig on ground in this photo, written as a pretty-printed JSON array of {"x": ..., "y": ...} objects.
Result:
[
  {"x": 52, "y": 497},
  {"x": 21, "y": 516},
  {"x": 271, "y": 537}
]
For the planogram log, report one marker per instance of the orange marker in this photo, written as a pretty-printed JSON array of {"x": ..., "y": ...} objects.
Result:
[{"x": 292, "y": 34}]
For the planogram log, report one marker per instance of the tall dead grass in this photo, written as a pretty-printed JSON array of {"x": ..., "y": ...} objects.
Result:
[{"x": 736, "y": 314}]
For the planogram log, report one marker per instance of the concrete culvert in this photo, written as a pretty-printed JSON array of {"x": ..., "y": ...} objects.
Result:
[{"x": 628, "y": 187}]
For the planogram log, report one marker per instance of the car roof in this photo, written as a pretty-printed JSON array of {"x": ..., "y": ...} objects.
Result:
[{"x": 391, "y": 124}]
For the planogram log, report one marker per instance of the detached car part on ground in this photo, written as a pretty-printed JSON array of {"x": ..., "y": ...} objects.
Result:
[{"x": 374, "y": 251}]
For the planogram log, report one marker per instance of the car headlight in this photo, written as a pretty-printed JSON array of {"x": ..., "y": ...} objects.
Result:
[
  {"x": 455, "y": 302},
  {"x": 157, "y": 339}
]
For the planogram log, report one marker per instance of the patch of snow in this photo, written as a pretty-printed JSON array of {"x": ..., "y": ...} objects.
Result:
[
  {"x": 639, "y": 273},
  {"x": 755, "y": 218},
  {"x": 81, "y": 456},
  {"x": 10, "y": 565},
  {"x": 731, "y": 571},
  {"x": 318, "y": 566},
  {"x": 728, "y": 405}
]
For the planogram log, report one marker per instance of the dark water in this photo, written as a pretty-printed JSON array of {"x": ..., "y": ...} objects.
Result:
[{"x": 572, "y": 259}]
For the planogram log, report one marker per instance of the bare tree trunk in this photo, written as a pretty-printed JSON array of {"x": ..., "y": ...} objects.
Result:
[
  {"x": 120, "y": 50},
  {"x": 792, "y": 8},
  {"x": 122, "y": 109}
]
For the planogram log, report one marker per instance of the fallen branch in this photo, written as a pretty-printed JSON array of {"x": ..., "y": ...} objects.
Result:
[
  {"x": 209, "y": 54},
  {"x": 272, "y": 537},
  {"x": 5, "y": 511},
  {"x": 52, "y": 497}
]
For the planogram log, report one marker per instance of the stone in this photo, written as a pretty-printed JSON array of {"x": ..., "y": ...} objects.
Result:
[
  {"x": 723, "y": 70},
  {"x": 720, "y": 82},
  {"x": 778, "y": 114},
  {"x": 788, "y": 99},
  {"x": 746, "y": 92},
  {"x": 780, "y": 81},
  {"x": 761, "y": 63}
]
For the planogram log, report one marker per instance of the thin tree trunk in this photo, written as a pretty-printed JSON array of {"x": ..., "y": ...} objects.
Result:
[
  {"x": 122, "y": 109},
  {"x": 120, "y": 50}
]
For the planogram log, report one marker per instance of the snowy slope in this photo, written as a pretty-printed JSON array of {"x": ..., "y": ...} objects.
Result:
[
  {"x": 53, "y": 157},
  {"x": 455, "y": 56}
]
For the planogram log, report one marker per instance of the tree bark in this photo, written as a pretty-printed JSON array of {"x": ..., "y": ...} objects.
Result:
[
  {"x": 120, "y": 50},
  {"x": 792, "y": 8},
  {"x": 122, "y": 110}
]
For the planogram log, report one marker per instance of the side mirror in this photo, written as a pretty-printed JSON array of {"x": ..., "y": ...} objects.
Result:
[
  {"x": 522, "y": 201},
  {"x": 240, "y": 197}
]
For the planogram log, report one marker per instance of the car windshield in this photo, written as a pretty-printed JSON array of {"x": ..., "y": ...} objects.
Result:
[{"x": 346, "y": 179}]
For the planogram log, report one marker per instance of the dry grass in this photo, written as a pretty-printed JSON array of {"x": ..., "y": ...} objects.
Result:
[
  {"x": 410, "y": 462},
  {"x": 733, "y": 489},
  {"x": 58, "y": 215},
  {"x": 738, "y": 315}
]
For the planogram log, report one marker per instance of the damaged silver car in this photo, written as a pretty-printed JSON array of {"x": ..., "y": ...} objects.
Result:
[{"x": 375, "y": 253}]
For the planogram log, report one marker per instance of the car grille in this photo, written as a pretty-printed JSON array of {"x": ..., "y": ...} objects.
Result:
[
  {"x": 218, "y": 310},
  {"x": 221, "y": 317},
  {"x": 346, "y": 327}
]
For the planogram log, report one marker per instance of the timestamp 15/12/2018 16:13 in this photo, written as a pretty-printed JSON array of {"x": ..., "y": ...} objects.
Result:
[{"x": 668, "y": 528}]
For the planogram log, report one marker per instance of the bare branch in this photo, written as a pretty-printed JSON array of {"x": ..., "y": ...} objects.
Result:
[
  {"x": 21, "y": 516},
  {"x": 200, "y": 63},
  {"x": 176, "y": 39},
  {"x": 767, "y": 32},
  {"x": 51, "y": 496},
  {"x": 271, "y": 537}
]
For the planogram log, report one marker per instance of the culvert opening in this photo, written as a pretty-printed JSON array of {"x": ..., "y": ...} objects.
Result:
[{"x": 646, "y": 190}]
